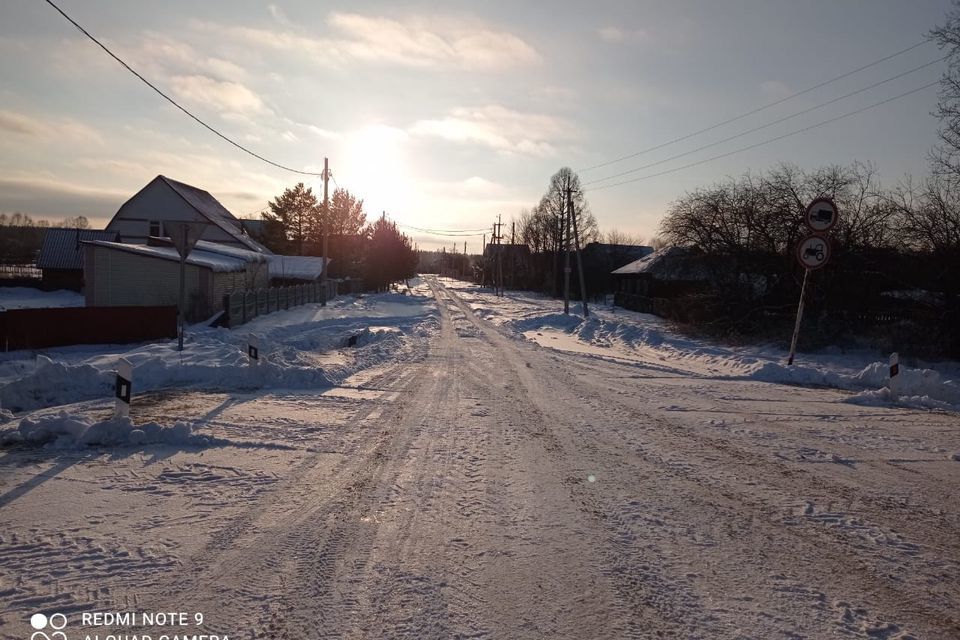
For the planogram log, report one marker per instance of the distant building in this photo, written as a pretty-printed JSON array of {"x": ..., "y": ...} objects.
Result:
[
  {"x": 119, "y": 274},
  {"x": 163, "y": 201},
  {"x": 61, "y": 256},
  {"x": 650, "y": 283},
  {"x": 600, "y": 260},
  {"x": 513, "y": 259}
]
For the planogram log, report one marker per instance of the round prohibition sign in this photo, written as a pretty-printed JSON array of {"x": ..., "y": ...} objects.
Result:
[
  {"x": 821, "y": 215},
  {"x": 813, "y": 252}
]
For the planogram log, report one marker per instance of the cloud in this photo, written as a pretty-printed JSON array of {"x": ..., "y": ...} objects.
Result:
[
  {"x": 229, "y": 97},
  {"x": 46, "y": 129},
  {"x": 616, "y": 35},
  {"x": 48, "y": 197},
  {"x": 322, "y": 133},
  {"x": 419, "y": 42},
  {"x": 500, "y": 128},
  {"x": 670, "y": 34},
  {"x": 278, "y": 15}
]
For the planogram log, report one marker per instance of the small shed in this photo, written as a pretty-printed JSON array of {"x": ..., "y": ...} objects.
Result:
[
  {"x": 119, "y": 274},
  {"x": 61, "y": 256}
]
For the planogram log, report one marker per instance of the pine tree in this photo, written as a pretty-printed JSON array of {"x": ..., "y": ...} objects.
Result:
[{"x": 297, "y": 213}]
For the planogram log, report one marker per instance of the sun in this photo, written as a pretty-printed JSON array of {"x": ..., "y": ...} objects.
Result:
[{"x": 376, "y": 168}]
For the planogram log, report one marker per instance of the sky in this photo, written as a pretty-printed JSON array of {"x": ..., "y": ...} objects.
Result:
[{"x": 445, "y": 115}]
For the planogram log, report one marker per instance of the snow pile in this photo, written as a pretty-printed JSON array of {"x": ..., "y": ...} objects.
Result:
[
  {"x": 71, "y": 431},
  {"x": 918, "y": 388},
  {"x": 301, "y": 348},
  {"x": 53, "y": 382}
]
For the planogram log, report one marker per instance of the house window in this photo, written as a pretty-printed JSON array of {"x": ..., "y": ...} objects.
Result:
[{"x": 155, "y": 228}]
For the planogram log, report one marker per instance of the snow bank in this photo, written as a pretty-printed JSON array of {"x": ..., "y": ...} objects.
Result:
[
  {"x": 71, "y": 431},
  {"x": 53, "y": 382},
  {"x": 648, "y": 340},
  {"x": 916, "y": 388},
  {"x": 302, "y": 348}
]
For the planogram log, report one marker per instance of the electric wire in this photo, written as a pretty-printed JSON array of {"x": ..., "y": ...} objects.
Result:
[
  {"x": 757, "y": 110},
  {"x": 768, "y": 141},
  {"x": 466, "y": 233},
  {"x": 175, "y": 103},
  {"x": 767, "y": 125}
]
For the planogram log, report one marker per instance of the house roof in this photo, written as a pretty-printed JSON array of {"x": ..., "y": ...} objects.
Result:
[
  {"x": 670, "y": 263},
  {"x": 210, "y": 255},
  {"x": 62, "y": 248},
  {"x": 211, "y": 209}
]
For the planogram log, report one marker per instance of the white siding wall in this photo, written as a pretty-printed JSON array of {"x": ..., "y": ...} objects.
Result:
[
  {"x": 157, "y": 201},
  {"x": 120, "y": 278}
]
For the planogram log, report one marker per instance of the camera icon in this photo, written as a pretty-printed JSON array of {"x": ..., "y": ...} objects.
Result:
[{"x": 56, "y": 622}]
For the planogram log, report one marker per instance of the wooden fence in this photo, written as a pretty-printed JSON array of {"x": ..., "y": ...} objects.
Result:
[
  {"x": 57, "y": 327},
  {"x": 243, "y": 306}
]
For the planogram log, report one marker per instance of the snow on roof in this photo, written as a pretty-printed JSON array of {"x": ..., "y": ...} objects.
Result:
[
  {"x": 62, "y": 248},
  {"x": 217, "y": 257},
  {"x": 210, "y": 208},
  {"x": 670, "y": 263},
  {"x": 295, "y": 267}
]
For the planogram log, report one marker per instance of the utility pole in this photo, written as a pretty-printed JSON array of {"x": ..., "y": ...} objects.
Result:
[
  {"x": 513, "y": 254},
  {"x": 576, "y": 245},
  {"x": 566, "y": 260},
  {"x": 326, "y": 232},
  {"x": 499, "y": 254},
  {"x": 463, "y": 272}
]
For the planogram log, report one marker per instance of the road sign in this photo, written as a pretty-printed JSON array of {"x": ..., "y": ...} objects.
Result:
[
  {"x": 813, "y": 252},
  {"x": 184, "y": 235},
  {"x": 821, "y": 215}
]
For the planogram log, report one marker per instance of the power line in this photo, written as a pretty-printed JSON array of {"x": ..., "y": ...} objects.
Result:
[
  {"x": 771, "y": 140},
  {"x": 467, "y": 233},
  {"x": 757, "y": 110},
  {"x": 767, "y": 125},
  {"x": 174, "y": 102}
]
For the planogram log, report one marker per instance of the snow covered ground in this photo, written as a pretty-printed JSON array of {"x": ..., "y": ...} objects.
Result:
[
  {"x": 28, "y": 298},
  {"x": 449, "y": 476},
  {"x": 626, "y": 336}
]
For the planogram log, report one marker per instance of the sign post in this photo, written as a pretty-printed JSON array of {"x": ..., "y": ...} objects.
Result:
[
  {"x": 123, "y": 388},
  {"x": 894, "y": 372},
  {"x": 813, "y": 252},
  {"x": 184, "y": 236},
  {"x": 253, "y": 348}
]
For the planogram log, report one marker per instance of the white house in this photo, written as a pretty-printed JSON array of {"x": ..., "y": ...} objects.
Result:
[{"x": 163, "y": 201}]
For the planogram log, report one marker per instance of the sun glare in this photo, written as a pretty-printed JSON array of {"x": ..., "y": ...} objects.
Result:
[{"x": 375, "y": 168}]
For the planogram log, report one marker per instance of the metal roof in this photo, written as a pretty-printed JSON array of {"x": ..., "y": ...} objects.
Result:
[
  {"x": 211, "y": 209},
  {"x": 671, "y": 263},
  {"x": 61, "y": 248},
  {"x": 211, "y": 255}
]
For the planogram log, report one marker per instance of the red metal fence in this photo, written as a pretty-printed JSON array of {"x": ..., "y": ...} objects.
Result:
[{"x": 41, "y": 328}]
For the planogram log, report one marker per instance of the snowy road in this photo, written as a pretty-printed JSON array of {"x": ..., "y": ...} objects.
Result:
[{"x": 488, "y": 487}]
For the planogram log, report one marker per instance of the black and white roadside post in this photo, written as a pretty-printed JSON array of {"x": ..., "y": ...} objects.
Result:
[
  {"x": 254, "y": 346},
  {"x": 894, "y": 376},
  {"x": 813, "y": 252},
  {"x": 184, "y": 236},
  {"x": 123, "y": 388}
]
